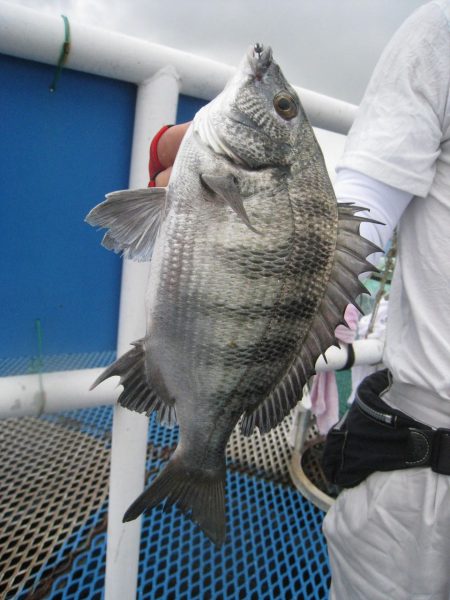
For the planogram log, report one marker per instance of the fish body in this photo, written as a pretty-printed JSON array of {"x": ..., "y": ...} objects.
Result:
[{"x": 253, "y": 264}]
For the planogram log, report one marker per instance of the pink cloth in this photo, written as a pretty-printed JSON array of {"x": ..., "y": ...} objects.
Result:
[{"x": 324, "y": 392}]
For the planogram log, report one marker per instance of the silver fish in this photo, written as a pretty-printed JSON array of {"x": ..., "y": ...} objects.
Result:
[{"x": 253, "y": 264}]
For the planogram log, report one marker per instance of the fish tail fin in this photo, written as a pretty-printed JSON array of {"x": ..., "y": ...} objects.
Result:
[{"x": 200, "y": 494}]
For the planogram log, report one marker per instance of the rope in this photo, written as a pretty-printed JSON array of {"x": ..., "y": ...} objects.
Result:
[{"x": 63, "y": 55}]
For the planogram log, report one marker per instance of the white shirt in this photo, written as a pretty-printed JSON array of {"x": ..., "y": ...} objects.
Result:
[
  {"x": 401, "y": 137},
  {"x": 389, "y": 537}
]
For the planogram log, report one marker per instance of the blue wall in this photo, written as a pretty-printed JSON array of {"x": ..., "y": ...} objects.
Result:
[{"x": 59, "y": 154}]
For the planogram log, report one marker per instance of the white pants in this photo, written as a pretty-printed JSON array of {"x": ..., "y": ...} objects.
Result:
[{"x": 389, "y": 538}]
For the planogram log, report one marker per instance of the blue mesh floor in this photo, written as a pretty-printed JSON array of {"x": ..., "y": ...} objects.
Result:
[
  {"x": 274, "y": 548},
  {"x": 276, "y": 551}
]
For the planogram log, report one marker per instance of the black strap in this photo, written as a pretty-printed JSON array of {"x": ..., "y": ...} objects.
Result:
[
  {"x": 376, "y": 437},
  {"x": 426, "y": 446},
  {"x": 350, "y": 358},
  {"x": 440, "y": 452}
]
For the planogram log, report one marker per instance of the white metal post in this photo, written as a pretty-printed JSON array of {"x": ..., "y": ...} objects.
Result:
[{"x": 156, "y": 105}]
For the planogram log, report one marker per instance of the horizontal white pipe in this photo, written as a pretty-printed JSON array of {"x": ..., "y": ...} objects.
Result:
[
  {"x": 22, "y": 395},
  {"x": 31, "y": 395},
  {"x": 33, "y": 35},
  {"x": 367, "y": 352},
  {"x": 326, "y": 112}
]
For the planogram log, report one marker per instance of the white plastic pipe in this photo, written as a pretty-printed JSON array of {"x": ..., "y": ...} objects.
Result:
[
  {"x": 32, "y": 395},
  {"x": 30, "y": 34},
  {"x": 367, "y": 352},
  {"x": 157, "y": 100}
]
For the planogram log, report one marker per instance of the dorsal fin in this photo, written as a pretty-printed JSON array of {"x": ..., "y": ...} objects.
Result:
[{"x": 342, "y": 289}]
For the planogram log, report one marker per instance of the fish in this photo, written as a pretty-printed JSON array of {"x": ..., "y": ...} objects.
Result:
[{"x": 253, "y": 263}]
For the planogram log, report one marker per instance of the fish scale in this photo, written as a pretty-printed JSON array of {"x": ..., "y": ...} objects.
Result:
[{"x": 253, "y": 264}]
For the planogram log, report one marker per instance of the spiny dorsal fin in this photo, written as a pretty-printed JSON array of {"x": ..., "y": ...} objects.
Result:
[
  {"x": 133, "y": 218},
  {"x": 343, "y": 288}
]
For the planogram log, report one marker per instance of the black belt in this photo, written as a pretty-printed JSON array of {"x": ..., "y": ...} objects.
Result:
[
  {"x": 372, "y": 436},
  {"x": 427, "y": 447}
]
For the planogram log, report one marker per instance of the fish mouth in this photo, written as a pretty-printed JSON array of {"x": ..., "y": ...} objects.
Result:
[{"x": 260, "y": 59}]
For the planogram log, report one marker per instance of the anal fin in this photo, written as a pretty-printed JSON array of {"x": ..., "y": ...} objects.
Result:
[{"x": 138, "y": 394}]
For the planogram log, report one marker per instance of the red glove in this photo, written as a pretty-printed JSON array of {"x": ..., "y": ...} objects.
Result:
[{"x": 154, "y": 165}]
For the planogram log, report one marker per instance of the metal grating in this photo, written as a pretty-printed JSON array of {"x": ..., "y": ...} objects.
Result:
[
  {"x": 52, "y": 478},
  {"x": 275, "y": 550},
  {"x": 55, "y": 362},
  {"x": 54, "y": 503},
  {"x": 264, "y": 456}
]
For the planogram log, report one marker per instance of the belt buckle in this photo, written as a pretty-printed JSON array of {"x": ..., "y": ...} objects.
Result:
[{"x": 440, "y": 453}]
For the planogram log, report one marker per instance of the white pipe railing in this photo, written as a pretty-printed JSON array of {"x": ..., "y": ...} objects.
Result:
[
  {"x": 28, "y": 395},
  {"x": 33, "y": 395},
  {"x": 30, "y": 34},
  {"x": 156, "y": 103},
  {"x": 366, "y": 352}
]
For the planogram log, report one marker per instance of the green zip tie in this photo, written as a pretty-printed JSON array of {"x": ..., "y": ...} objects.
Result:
[
  {"x": 37, "y": 362},
  {"x": 38, "y": 367},
  {"x": 40, "y": 360},
  {"x": 64, "y": 53}
]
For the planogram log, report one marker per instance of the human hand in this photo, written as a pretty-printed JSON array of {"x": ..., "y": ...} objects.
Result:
[{"x": 163, "y": 151}]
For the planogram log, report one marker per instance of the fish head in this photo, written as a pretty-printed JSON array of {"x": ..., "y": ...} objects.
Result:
[{"x": 257, "y": 120}]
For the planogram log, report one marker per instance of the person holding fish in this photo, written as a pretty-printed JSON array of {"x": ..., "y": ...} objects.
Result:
[{"x": 388, "y": 533}]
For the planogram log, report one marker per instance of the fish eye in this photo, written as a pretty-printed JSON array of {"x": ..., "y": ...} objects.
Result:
[{"x": 285, "y": 106}]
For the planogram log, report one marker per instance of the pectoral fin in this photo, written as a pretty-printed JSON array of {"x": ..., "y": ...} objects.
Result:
[
  {"x": 227, "y": 188},
  {"x": 133, "y": 218}
]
